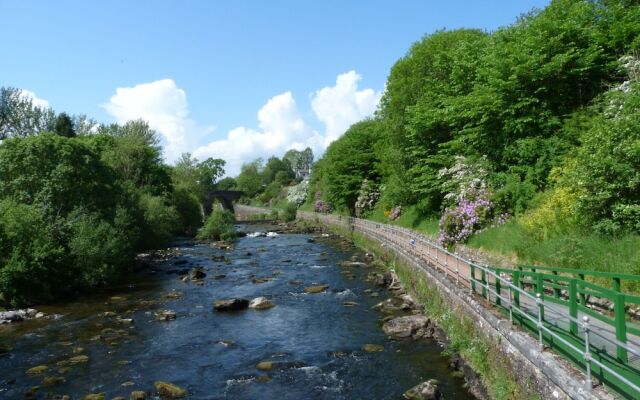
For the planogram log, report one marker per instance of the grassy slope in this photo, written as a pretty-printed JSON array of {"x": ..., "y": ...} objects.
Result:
[{"x": 581, "y": 250}]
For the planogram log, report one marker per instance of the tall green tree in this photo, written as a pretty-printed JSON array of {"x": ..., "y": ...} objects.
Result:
[{"x": 64, "y": 126}]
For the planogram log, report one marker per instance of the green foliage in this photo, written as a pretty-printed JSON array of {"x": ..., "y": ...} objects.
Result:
[
  {"x": 271, "y": 191},
  {"x": 33, "y": 259},
  {"x": 19, "y": 117},
  {"x": 160, "y": 221},
  {"x": 219, "y": 226},
  {"x": 73, "y": 210},
  {"x": 64, "y": 126},
  {"x": 348, "y": 161},
  {"x": 227, "y": 183},
  {"x": 290, "y": 212},
  {"x": 58, "y": 173},
  {"x": 250, "y": 179},
  {"x": 605, "y": 173},
  {"x": 188, "y": 210}
]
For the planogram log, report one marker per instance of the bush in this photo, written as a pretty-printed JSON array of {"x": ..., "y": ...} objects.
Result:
[
  {"x": 298, "y": 194},
  {"x": 188, "y": 209},
  {"x": 554, "y": 214},
  {"x": 33, "y": 260},
  {"x": 219, "y": 226},
  {"x": 321, "y": 206},
  {"x": 160, "y": 220},
  {"x": 290, "y": 212},
  {"x": 367, "y": 198},
  {"x": 98, "y": 250}
]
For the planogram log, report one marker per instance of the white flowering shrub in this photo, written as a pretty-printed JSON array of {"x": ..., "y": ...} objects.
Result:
[
  {"x": 367, "y": 197},
  {"x": 298, "y": 194}
]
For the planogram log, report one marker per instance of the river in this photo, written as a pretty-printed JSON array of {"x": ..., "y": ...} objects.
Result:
[{"x": 314, "y": 340}]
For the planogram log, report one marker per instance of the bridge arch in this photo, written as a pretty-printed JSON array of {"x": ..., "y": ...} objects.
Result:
[{"x": 226, "y": 198}]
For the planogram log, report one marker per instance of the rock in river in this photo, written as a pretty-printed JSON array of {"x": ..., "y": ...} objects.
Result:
[
  {"x": 138, "y": 395},
  {"x": 197, "y": 273},
  {"x": 261, "y": 303},
  {"x": 403, "y": 327},
  {"x": 230, "y": 304},
  {"x": 425, "y": 391},
  {"x": 316, "y": 289},
  {"x": 37, "y": 370},
  {"x": 166, "y": 315},
  {"x": 265, "y": 366},
  {"x": 169, "y": 390},
  {"x": 372, "y": 348}
]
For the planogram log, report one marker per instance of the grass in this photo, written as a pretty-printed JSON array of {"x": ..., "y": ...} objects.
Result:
[{"x": 588, "y": 251}]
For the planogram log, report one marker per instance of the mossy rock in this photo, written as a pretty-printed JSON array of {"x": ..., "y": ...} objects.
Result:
[
  {"x": 81, "y": 359},
  {"x": 265, "y": 366},
  {"x": 169, "y": 390},
  {"x": 372, "y": 348},
  {"x": 37, "y": 370},
  {"x": 316, "y": 289},
  {"x": 138, "y": 395},
  {"x": 53, "y": 380}
]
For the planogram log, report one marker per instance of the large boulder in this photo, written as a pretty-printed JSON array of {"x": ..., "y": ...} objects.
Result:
[
  {"x": 425, "y": 391},
  {"x": 261, "y": 303},
  {"x": 230, "y": 304},
  {"x": 404, "y": 327}
]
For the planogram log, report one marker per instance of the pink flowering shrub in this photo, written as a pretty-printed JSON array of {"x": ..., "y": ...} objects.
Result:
[
  {"x": 322, "y": 206},
  {"x": 459, "y": 223},
  {"x": 470, "y": 209}
]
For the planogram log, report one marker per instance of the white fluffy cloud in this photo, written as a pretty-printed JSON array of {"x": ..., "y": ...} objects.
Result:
[
  {"x": 282, "y": 126},
  {"x": 164, "y": 106},
  {"x": 34, "y": 99},
  {"x": 339, "y": 106}
]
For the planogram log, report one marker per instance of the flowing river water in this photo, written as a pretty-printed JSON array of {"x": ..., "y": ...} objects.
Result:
[{"x": 315, "y": 342}]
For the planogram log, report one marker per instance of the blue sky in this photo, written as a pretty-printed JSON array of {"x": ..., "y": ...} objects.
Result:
[{"x": 233, "y": 79}]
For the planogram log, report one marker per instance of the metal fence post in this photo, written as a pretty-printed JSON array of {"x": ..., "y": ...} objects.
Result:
[
  {"x": 587, "y": 353},
  {"x": 573, "y": 306},
  {"x": 510, "y": 305},
  {"x": 539, "y": 303},
  {"x": 446, "y": 265},
  {"x": 472, "y": 268},
  {"x": 621, "y": 326}
]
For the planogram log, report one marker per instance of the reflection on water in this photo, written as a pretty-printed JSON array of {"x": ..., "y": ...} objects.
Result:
[{"x": 114, "y": 343}]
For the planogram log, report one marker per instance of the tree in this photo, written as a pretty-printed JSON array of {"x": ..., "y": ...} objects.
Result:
[
  {"x": 208, "y": 173},
  {"x": 349, "y": 160},
  {"x": 250, "y": 179},
  {"x": 64, "y": 126},
  {"x": 133, "y": 151},
  {"x": 275, "y": 166},
  {"x": 19, "y": 117},
  {"x": 300, "y": 161}
]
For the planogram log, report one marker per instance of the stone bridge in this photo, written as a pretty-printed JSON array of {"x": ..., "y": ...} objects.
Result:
[{"x": 226, "y": 198}]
